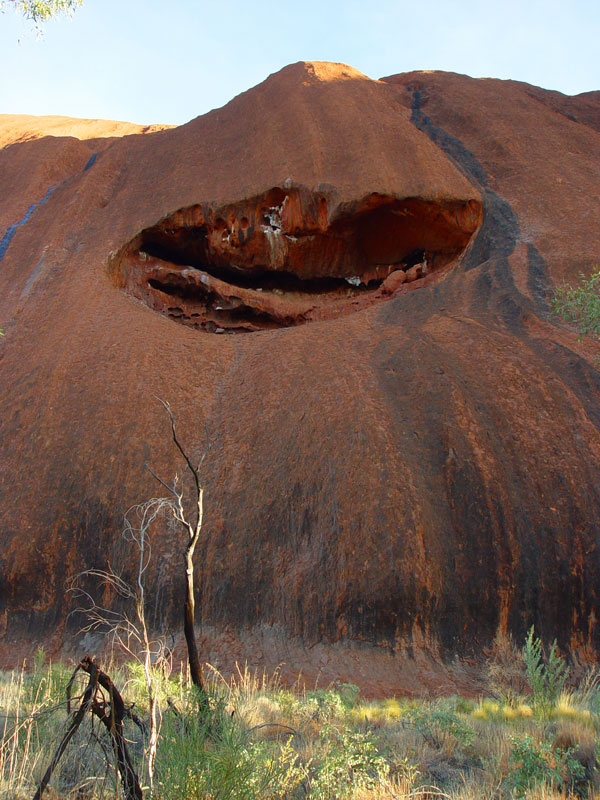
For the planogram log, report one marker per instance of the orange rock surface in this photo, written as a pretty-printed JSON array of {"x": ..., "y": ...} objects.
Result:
[{"x": 344, "y": 286}]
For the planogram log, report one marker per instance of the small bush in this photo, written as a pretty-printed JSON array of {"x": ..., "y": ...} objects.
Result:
[
  {"x": 436, "y": 724},
  {"x": 532, "y": 764},
  {"x": 581, "y": 304},
  {"x": 546, "y": 676},
  {"x": 326, "y": 704},
  {"x": 351, "y": 761},
  {"x": 221, "y": 760}
]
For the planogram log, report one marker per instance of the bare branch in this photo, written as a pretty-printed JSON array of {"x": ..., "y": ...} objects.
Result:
[
  {"x": 178, "y": 443},
  {"x": 289, "y": 730},
  {"x": 70, "y": 686},
  {"x": 160, "y": 480}
]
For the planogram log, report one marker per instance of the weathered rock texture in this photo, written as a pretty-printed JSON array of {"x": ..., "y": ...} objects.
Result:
[{"x": 404, "y": 449}]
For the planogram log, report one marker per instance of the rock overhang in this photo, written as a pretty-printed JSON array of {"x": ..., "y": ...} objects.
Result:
[{"x": 290, "y": 255}]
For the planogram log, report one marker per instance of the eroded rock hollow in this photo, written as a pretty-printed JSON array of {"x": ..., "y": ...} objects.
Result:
[{"x": 279, "y": 259}]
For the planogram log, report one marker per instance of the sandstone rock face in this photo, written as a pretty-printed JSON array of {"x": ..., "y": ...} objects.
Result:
[{"x": 404, "y": 455}]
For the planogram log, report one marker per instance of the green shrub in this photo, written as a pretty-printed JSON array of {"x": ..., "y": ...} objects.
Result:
[
  {"x": 326, "y": 704},
  {"x": 546, "y": 676},
  {"x": 320, "y": 705},
  {"x": 581, "y": 304},
  {"x": 532, "y": 764},
  {"x": 349, "y": 694},
  {"x": 351, "y": 761},
  {"x": 434, "y": 723},
  {"x": 221, "y": 761}
]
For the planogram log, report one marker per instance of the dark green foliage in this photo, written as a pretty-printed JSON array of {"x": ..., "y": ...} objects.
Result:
[{"x": 532, "y": 764}]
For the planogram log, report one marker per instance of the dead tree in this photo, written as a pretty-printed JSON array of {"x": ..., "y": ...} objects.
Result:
[
  {"x": 76, "y": 720},
  {"x": 110, "y": 710},
  {"x": 193, "y": 527},
  {"x": 130, "y": 633}
]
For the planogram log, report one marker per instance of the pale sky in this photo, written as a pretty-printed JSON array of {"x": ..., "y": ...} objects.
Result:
[{"x": 168, "y": 61}]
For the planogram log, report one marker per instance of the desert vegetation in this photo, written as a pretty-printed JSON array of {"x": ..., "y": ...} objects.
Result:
[
  {"x": 532, "y": 735},
  {"x": 580, "y": 304}
]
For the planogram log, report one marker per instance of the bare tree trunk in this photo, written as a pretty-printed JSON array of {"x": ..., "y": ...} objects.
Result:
[
  {"x": 193, "y": 528},
  {"x": 129, "y": 779},
  {"x": 188, "y": 622},
  {"x": 140, "y": 607}
]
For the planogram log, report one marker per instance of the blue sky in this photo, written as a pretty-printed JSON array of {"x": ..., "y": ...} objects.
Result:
[{"x": 168, "y": 61}]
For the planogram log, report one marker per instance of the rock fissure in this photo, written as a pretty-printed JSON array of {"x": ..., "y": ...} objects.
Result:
[{"x": 12, "y": 229}]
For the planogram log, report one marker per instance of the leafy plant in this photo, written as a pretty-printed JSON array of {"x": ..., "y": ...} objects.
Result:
[
  {"x": 327, "y": 704},
  {"x": 546, "y": 676},
  {"x": 220, "y": 760},
  {"x": 436, "y": 723},
  {"x": 351, "y": 762},
  {"x": 532, "y": 764},
  {"x": 580, "y": 304},
  {"x": 349, "y": 694},
  {"x": 41, "y": 10}
]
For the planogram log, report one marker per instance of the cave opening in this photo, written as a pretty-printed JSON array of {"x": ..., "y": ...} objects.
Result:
[{"x": 279, "y": 261}]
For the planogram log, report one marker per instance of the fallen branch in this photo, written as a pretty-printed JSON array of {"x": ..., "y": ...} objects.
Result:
[
  {"x": 111, "y": 714},
  {"x": 286, "y": 728},
  {"x": 88, "y": 698}
]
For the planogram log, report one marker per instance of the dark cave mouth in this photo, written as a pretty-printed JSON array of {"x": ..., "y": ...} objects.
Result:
[{"x": 277, "y": 261}]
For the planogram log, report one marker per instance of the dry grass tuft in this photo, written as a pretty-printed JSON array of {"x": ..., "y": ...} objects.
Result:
[{"x": 267, "y": 741}]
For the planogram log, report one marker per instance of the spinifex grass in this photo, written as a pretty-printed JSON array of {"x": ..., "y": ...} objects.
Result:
[{"x": 263, "y": 740}]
